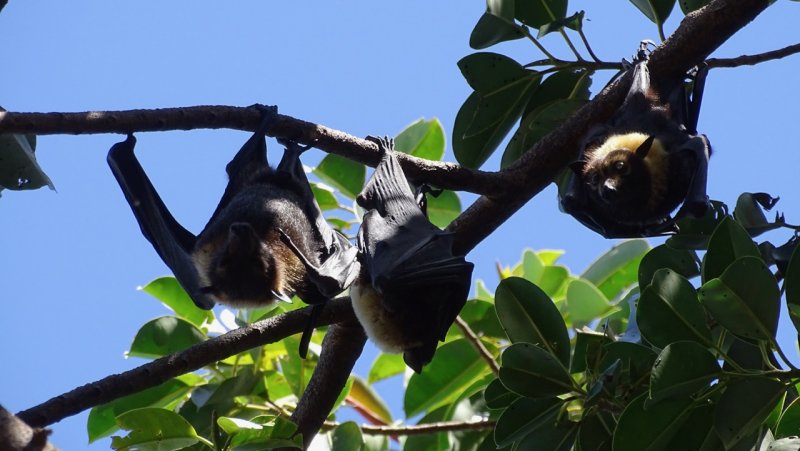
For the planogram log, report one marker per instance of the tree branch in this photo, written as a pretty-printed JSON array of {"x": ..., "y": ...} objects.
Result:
[
  {"x": 476, "y": 342},
  {"x": 751, "y": 60},
  {"x": 421, "y": 429},
  {"x": 699, "y": 34},
  {"x": 15, "y": 435},
  {"x": 441, "y": 174},
  {"x": 159, "y": 371}
]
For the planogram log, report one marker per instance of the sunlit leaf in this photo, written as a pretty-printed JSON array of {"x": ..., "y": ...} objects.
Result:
[
  {"x": 443, "y": 208},
  {"x": 169, "y": 291},
  {"x": 154, "y": 429},
  {"x": 365, "y": 397},
  {"x": 423, "y": 139},
  {"x": 347, "y": 437},
  {"x": 617, "y": 268},
  {"x": 345, "y": 175},
  {"x": 164, "y": 336}
]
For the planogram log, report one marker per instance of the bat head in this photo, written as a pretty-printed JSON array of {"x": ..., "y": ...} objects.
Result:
[{"x": 242, "y": 272}]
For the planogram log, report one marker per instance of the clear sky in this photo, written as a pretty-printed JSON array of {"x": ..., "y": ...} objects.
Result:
[{"x": 71, "y": 259}]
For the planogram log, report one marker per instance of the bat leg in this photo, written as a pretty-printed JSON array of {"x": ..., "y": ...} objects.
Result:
[
  {"x": 305, "y": 339},
  {"x": 696, "y": 203},
  {"x": 693, "y": 113}
]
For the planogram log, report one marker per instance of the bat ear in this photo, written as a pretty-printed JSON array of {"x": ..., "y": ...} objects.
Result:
[
  {"x": 644, "y": 148},
  {"x": 241, "y": 238},
  {"x": 577, "y": 166}
]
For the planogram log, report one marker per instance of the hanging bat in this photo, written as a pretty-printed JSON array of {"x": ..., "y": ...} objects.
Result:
[
  {"x": 239, "y": 258},
  {"x": 411, "y": 285},
  {"x": 644, "y": 163}
]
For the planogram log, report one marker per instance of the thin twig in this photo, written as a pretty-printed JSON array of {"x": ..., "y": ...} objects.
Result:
[
  {"x": 476, "y": 341},
  {"x": 751, "y": 60},
  {"x": 586, "y": 44},
  {"x": 421, "y": 429}
]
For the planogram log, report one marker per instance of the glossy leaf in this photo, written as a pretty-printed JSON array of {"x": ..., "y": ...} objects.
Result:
[
  {"x": 169, "y": 291},
  {"x": 745, "y": 299},
  {"x": 650, "y": 429},
  {"x": 588, "y": 350},
  {"x": 536, "y": 13},
  {"x": 163, "y": 336},
  {"x": 656, "y": 10},
  {"x": 789, "y": 423},
  {"x": 423, "y": 139},
  {"x": 744, "y": 405},
  {"x": 595, "y": 433},
  {"x": 697, "y": 432},
  {"x": 682, "y": 369},
  {"x": 729, "y": 242},
  {"x": 386, "y": 366},
  {"x": 792, "y": 286},
  {"x": 497, "y": 396},
  {"x": 574, "y": 22},
  {"x": 636, "y": 358},
  {"x": 487, "y": 72},
  {"x": 430, "y": 442},
  {"x": 531, "y": 371},
  {"x": 325, "y": 197},
  {"x": 528, "y": 315},
  {"x": 363, "y": 395},
  {"x": 154, "y": 429},
  {"x": 492, "y": 29},
  {"x": 696, "y": 232},
  {"x": 681, "y": 261},
  {"x": 749, "y": 212},
  {"x": 345, "y": 175},
  {"x": 456, "y": 367},
  {"x": 102, "y": 419},
  {"x": 551, "y": 437},
  {"x": 442, "y": 209},
  {"x": 669, "y": 311},
  {"x": 347, "y": 437},
  {"x": 523, "y": 416},
  {"x": 688, "y": 6},
  {"x": 617, "y": 268},
  {"x": 585, "y": 302}
]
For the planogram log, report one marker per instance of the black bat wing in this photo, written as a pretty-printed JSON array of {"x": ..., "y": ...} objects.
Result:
[{"x": 172, "y": 242}]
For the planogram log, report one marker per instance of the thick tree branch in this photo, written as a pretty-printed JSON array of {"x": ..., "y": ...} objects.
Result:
[
  {"x": 441, "y": 174},
  {"x": 340, "y": 349},
  {"x": 700, "y": 33},
  {"x": 159, "y": 371}
]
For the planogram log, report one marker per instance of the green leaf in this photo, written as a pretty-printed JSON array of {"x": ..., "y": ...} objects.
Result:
[
  {"x": 296, "y": 370},
  {"x": 457, "y": 366},
  {"x": 531, "y": 371},
  {"x": 617, "y": 268},
  {"x": 423, "y": 139},
  {"x": 492, "y": 29},
  {"x": 430, "y": 442},
  {"x": 482, "y": 318},
  {"x": 347, "y": 437},
  {"x": 524, "y": 416},
  {"x": 169, "y": 291},
  {"x": 386, "y": 366},
  {"x": 536, "y": 13},
  {"x": 697, "y": 432},
  {"x": 650, "y": 429},
  {"x": 695, "y": 232},
  {"x": 792, "y": 286},
  {"x": 585, "y": 302},
  {"x": 485, "y": 118},
  {"x": 324, "y": 196},
  {"x": 155, "y": 429},
  {"x": 20, "y": 170},
  {"x": 367, "y": 398},
  {"x": 497, "y": 396},
  {"x": 595, "y": 433},
  {"x": 669, "y": 311},
  {"x": 688, "y": 6},
  {"x": 743, "y": 407},
  {"x": 102, "y": 419},
  {"x": 637, "y": 359},
  {"x": 528, "y": 315},
  {"x": 574, "y": 22},
  {"x": 588, "y": 350},
  {"x": 554, "y": 436},
  {"x": 442, "y": 209},
  {"x": 745, "y": 299},
  {"x": 164, "y": 336},
  {"x": 682, "y": 261},
  {"x": 681, "y": 369},
  {"x": 749, "y": 212},
  {"x": 789, "y": 423},
  {"x": 729, "y": 242},
  {"x": 656, "y": 10},
  {"x": 487, "y": 72},
  {"x": 345, "y": 175}
]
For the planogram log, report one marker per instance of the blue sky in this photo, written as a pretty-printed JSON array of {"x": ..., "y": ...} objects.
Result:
[{"x": 71, "y": 259}]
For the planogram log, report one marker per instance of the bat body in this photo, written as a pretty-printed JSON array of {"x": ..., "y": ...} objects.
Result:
[
  {"x": 240, "y": 258},
  {"x": 411, "y": 286},
  {"x": 644, "y": 163}
]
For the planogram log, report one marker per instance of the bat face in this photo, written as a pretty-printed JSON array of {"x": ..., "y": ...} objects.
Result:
[
  {"x": 240, "y": 258},
  {"x": 411, "y": 286},
  {"x": 648, "y": 160}
]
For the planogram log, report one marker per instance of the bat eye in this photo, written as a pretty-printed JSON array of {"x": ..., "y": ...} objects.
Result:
[
  {"x": 620, "y": 167},
  {"x": 594, "y": 179}
]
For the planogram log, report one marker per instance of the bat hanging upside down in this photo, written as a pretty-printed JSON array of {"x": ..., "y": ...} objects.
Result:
[
  {"x": 646, "y": 161},
  {"x": 240, "y": 257}
]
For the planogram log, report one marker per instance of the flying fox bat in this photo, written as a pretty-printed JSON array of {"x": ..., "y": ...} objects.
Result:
[
  {"x": 645, "y": 162},
  {"x": 411, "y": 285},
  {"x": 239, "y": 258}
]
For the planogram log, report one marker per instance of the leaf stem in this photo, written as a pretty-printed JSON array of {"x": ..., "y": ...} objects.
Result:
[{"x": 476, "y": 341}]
